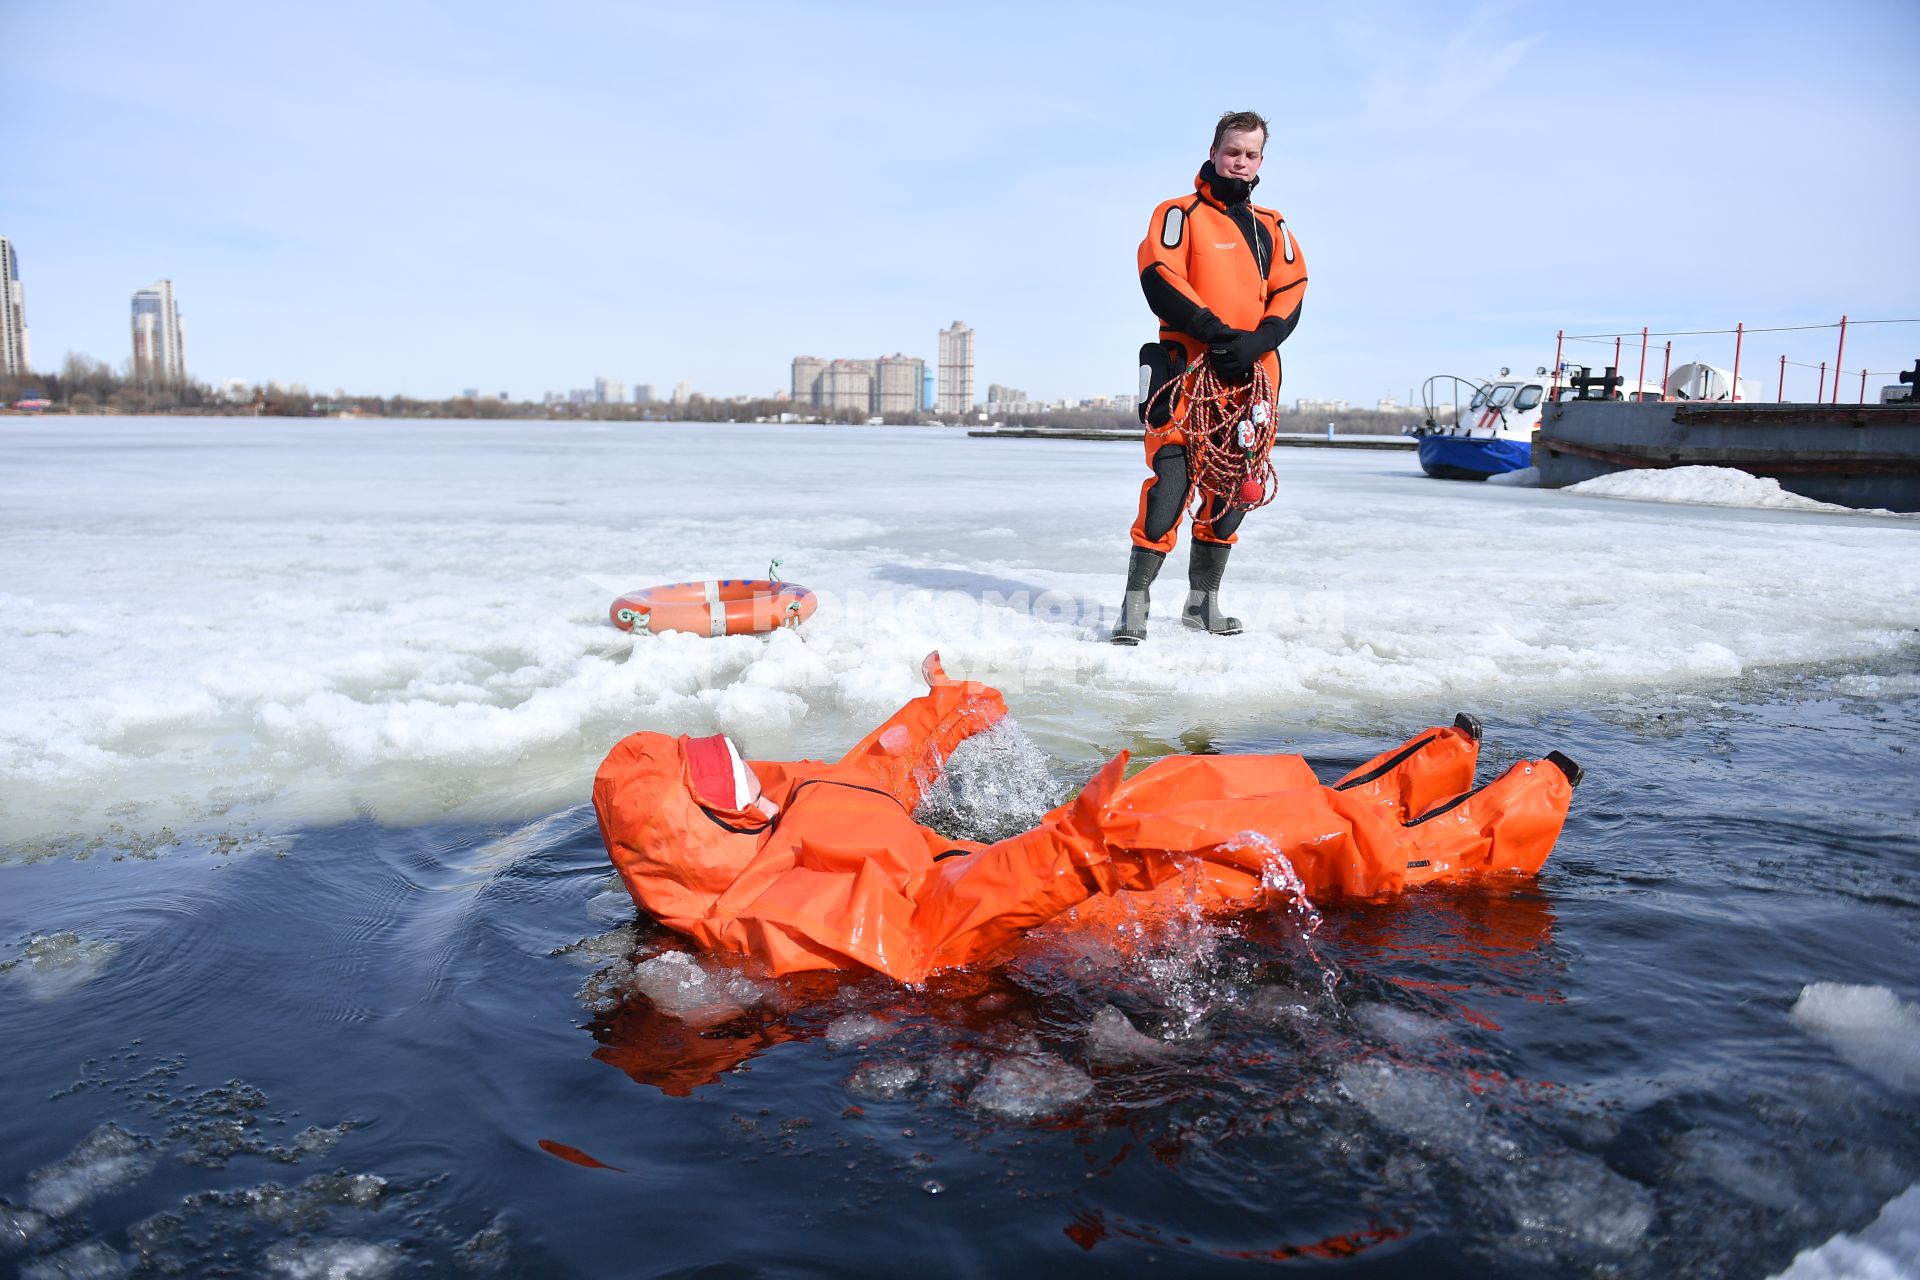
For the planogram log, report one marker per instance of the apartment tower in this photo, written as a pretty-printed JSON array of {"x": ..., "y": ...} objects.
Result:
[
  {"x": 956, "y": 370},
  {"x": 16, "y": 360},
  {"x": 159, "y": 360},
  {"x": 896, "y": 385}
]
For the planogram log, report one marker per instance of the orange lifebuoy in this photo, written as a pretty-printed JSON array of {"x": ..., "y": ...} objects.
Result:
[{"x": 721, "y": 607}]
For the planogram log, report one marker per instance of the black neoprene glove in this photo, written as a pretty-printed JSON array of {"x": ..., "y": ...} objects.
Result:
[
  {"x": 1210, "y": 329},
  {"x": 1234, "y": 358}
]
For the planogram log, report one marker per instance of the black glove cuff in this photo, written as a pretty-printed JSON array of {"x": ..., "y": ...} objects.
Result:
[{"x": 1210, "y": 329}]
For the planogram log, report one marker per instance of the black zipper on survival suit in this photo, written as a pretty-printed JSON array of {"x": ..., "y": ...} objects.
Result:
[
  {"x": 1399, "y": 757},
  {"x": 1253, "y": 236}
]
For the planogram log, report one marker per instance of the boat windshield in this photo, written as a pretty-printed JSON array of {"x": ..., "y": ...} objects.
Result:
[
  {"x": 1529, "y": 396},
  {"x": 1501, "y": 394},
  {"x": 1479, "y": 399}
]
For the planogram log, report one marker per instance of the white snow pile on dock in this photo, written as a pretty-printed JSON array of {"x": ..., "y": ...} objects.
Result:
[{"x": 1707, "y": 486}]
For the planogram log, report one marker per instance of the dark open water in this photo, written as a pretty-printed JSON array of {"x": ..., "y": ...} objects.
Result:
[{"x": 364, "y": 1051}]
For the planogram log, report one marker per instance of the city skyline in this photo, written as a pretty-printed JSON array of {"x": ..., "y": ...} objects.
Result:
[
  {"x": 360, "y": 243},
  {"x": 896, "y": 384},
  {"x": 884, "y": 385}
]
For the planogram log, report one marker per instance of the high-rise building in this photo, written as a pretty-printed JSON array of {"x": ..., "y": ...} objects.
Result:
[
  {"x": 16, "y": 360},
  {"x": 806, "y": 379},
  {"x": 682, "y": 392},
  {"x": 847, "y": 384},
  {"x": 896, "y": 384},
  {"x": 643, "y": 393},
  {"x": 159, "y": 358},
  {"x": 888, "y": 385},
  {"x": 609, "y": 391},
  {"x": 956, "y": 369}
]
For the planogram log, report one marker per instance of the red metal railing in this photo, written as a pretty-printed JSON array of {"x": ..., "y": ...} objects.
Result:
[{"x": 1740, "y": 332}]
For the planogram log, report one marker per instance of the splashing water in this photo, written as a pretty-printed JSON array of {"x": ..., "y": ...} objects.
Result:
[
  {"x": 1283, "y": 891},
  {"x": 996, "y": 784}
]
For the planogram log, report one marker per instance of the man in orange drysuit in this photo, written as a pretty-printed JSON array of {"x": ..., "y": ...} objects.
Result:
[
  {"x": 809, "y": 865},
  {"x": 1226, "y": 278}
]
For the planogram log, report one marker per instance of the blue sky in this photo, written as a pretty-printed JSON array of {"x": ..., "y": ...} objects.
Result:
[{"x": 420, "y": 198}]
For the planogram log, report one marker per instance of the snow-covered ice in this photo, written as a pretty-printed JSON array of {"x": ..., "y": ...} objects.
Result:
[
  {"x": 1709, "y": 486},
  {"x": 273, "y": 624}
]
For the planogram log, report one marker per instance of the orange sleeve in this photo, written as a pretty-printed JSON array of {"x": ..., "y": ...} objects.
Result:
[
  {"x": 975, "y": 904},
  {"x": 1163, "y": 260},
  {"x": 906, "y": 754}
]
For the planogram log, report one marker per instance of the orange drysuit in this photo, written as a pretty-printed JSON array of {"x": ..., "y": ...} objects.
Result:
[
  {"x": 1212, "y": 262},
  {"x": 840, "y": 876}
]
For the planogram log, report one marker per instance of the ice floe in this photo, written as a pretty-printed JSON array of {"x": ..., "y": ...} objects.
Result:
[
  {"x": 887, "y": 1080},
  {"x": 105, "y": 1160},
  {"x": 678, "y": 984},
  {"x": 1403, "y": 1026},
  {"x": 1112, "y": 1038},
  {"x": 1424, "y": 1105},
  {"x": 1888, "y": 1248},
  {"x": 1031, "y": 1087},
  {"x": 332, "y": 1260},
  {"x": 57, "y": 964},
  {"x": 850, "y": 1029},
  {"x": 1871, "y": 1027},
  {"x": 88, "y": 1260}
]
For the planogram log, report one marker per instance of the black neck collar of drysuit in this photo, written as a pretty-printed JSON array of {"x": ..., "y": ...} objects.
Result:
[{"x": 1225, "y": 192}]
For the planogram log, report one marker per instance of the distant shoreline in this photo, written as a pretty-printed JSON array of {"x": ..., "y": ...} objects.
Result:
[{"x": 1062, "y": 422}]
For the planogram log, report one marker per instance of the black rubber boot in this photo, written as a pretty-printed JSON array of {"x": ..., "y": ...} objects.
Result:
[
  {"x": 1143, "y": 566},
  {"x": 1204, "y": 571}
]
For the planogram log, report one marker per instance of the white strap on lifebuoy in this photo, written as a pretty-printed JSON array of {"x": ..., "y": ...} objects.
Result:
[{"x": 716, "y": 612}]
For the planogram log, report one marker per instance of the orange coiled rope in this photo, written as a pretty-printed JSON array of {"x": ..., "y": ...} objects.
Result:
[{"x": 1230, "y": 429}]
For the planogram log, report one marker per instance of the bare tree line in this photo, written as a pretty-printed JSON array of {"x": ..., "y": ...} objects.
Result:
[{"x": 86, "y": 385}]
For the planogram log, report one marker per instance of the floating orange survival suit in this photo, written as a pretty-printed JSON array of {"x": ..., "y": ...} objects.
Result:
[{"x": 826, "y": 869}]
